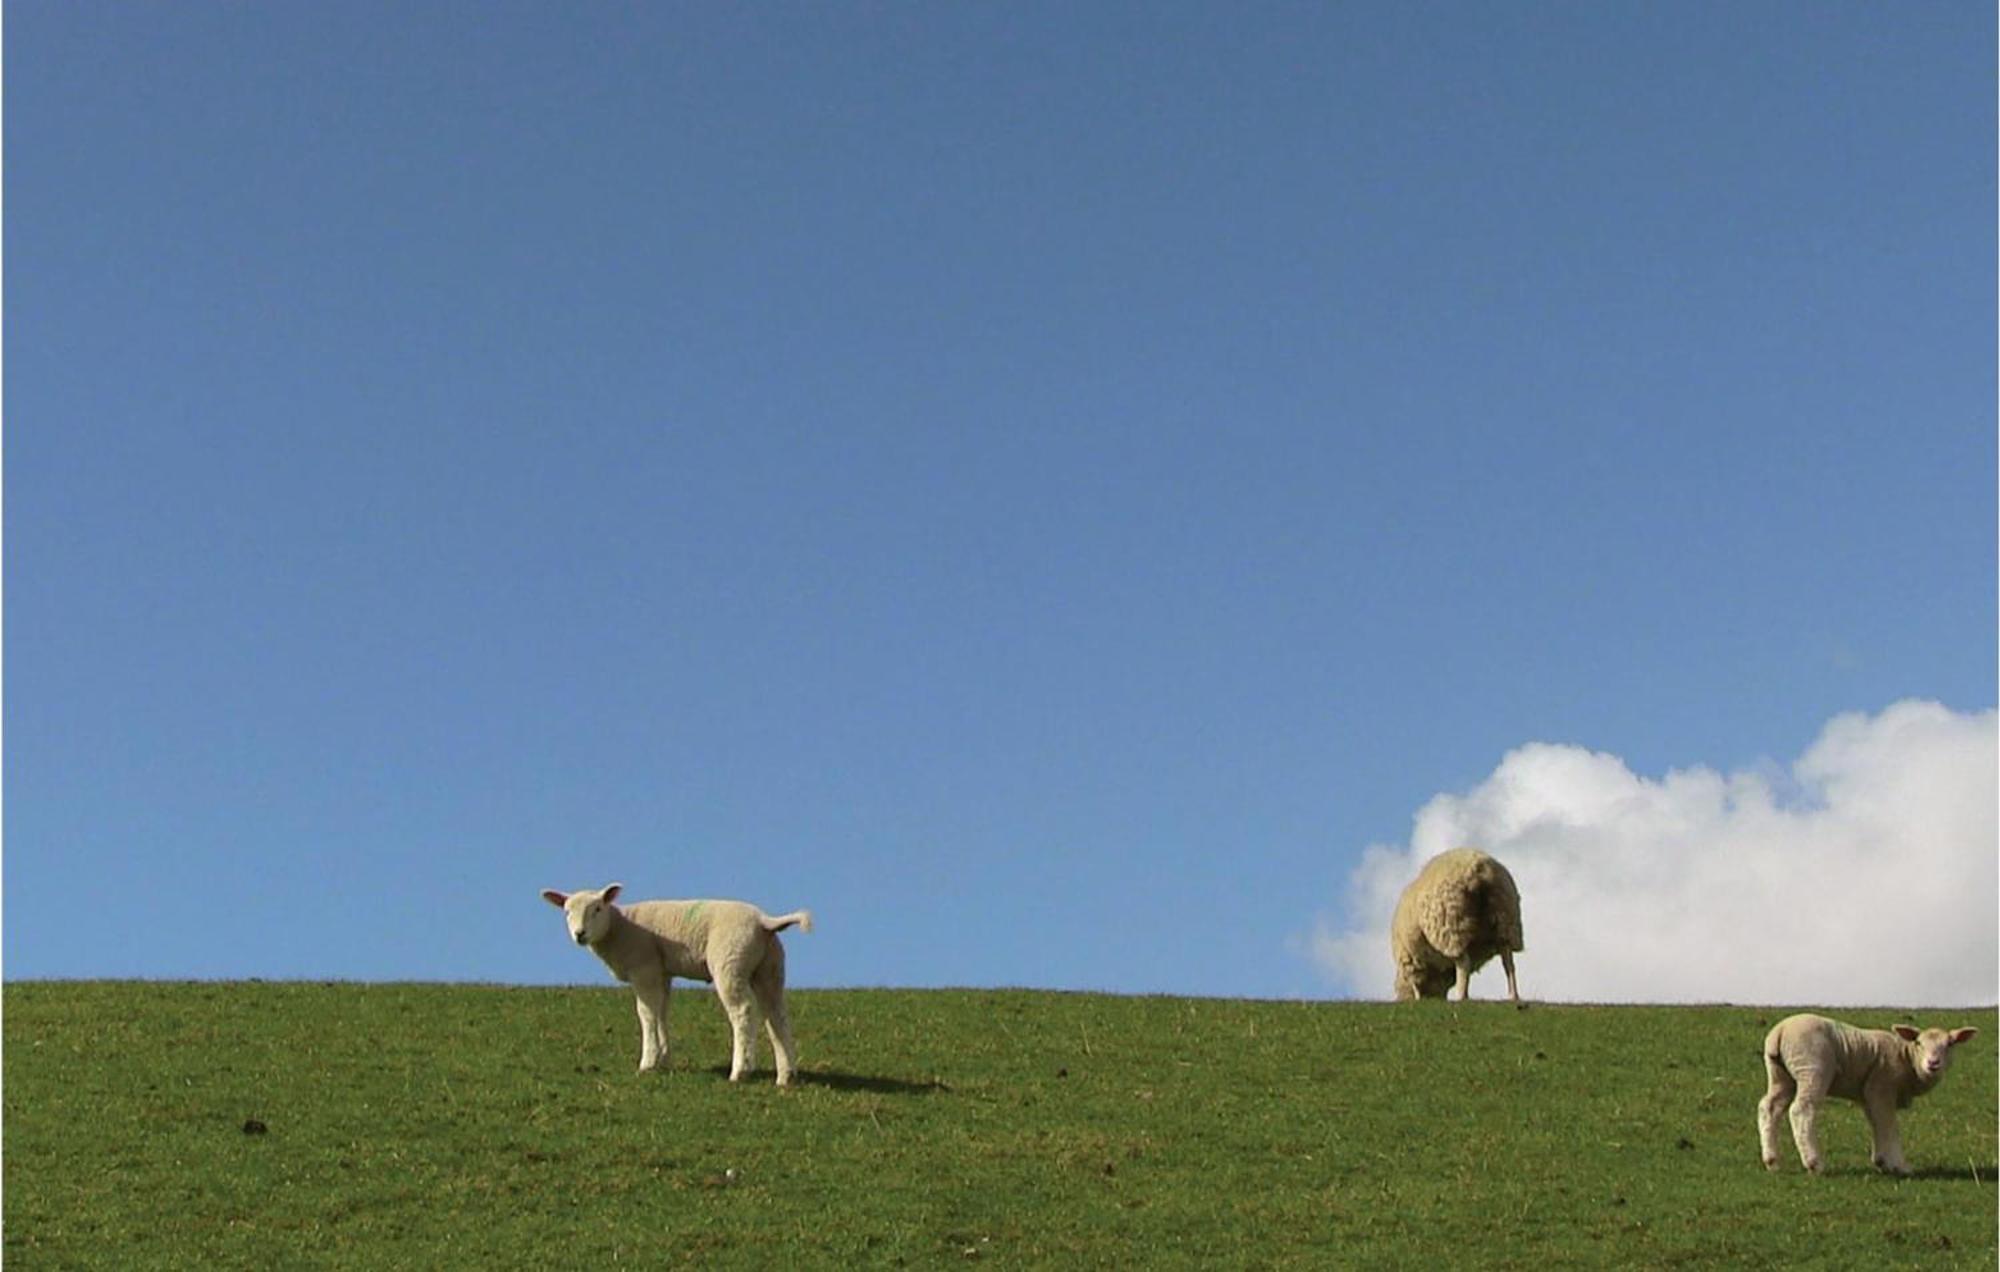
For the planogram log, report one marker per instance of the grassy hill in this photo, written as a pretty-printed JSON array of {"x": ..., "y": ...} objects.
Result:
[{"x": 431, "y": 1126}]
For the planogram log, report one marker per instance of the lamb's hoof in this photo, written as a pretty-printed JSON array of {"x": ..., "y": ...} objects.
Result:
[
  {"x": 1898, "y": 1169},
  {"x": 1813, "y": 1167},
  {"x": 1770, "y": 1163},
  {"x": 1519, "y": 1005}
]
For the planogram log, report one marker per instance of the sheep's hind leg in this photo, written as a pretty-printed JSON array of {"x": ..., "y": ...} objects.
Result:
[
  {"x": 1770, "y": 1109},
  {"x": 741, "y": 1007},
  {"x": 1513, "y": 989},
  {"x": 1464, "y": 979},
  {"x": 769, "y": 986},
  {"x": 1812, "y": 1088}
]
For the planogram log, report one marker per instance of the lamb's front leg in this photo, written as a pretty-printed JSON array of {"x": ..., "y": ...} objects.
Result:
[
  {"x": 1464, "y": 979},
  {"x": 651, "y": 994},
  {"x": 1888, "y": 1154}
]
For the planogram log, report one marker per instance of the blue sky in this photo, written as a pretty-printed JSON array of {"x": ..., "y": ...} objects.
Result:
[{"x": 1046, "y": 486}]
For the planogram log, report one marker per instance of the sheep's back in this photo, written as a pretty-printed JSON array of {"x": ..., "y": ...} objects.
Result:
[
  {"x": 1462, "y": 902},
  {"x": 695, "y": 925},
  {"x": 1850, "y": 1057}
]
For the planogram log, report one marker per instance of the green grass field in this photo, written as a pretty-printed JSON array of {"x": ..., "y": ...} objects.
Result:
[{"x": 425, "y": 1126}]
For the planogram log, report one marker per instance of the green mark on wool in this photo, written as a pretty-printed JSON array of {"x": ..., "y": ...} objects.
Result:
[{"x": 694, "y": 908}]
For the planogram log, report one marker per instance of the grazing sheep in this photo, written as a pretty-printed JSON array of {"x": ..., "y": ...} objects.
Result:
[
  {"x": 1460, "y": 910},
  {"x": 1812, "y": 1057},
  {"x": 732, "y": 943}
]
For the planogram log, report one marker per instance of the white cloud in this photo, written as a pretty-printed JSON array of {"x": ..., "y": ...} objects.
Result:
[{"x": 1865, "y": 875}]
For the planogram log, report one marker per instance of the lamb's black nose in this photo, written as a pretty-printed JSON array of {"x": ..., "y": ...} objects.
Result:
[{"x": 580, "y": 940}]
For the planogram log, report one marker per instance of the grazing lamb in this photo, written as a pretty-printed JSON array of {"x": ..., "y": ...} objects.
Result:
[
  {"x": 732, "y": 943},
  {"x": 1812, "y": 1057},
  {"x": 1460, "y": 910}
]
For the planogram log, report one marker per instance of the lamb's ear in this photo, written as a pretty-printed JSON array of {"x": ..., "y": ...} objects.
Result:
[
  {"x": 611, "y": 891},
  {"x": 1961, "y": 1035},
  {"x": 1908, "y": 1033},
  {"x": 553, "y": 897}
]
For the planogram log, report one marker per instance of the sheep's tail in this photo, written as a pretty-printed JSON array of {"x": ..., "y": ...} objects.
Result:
[
  {"x": 1774, "y": 1061},
  {"x": 1774, "y": 1051},
  {"x": 779, "y": 922}
]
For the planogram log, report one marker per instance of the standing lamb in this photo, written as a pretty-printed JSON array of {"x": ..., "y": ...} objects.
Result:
[
  {"x": 1460, "y": 910},
  {"x": 731, "y": 943},
  {"x": 1884, "y": 1069}
]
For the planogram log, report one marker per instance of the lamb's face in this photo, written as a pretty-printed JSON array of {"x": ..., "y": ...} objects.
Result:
[
  {"x": 589, "y": 917},
  {"x": 587, "y": 913},
  {"x": 1930, "y": 1051}
]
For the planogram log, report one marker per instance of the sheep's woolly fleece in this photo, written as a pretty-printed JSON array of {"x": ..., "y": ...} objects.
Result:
[
  {"x": 1462, "y": 903},
  {"x": 1679, "y": 889}
]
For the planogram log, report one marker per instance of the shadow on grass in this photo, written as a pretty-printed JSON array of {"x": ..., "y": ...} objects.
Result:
[
  {"x": 1986, "y": 1174},
  {"x": 847, "y": 1081},
  {"x": 1968, "y": 1173},
  {"x": 861, "y": 1082}
]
